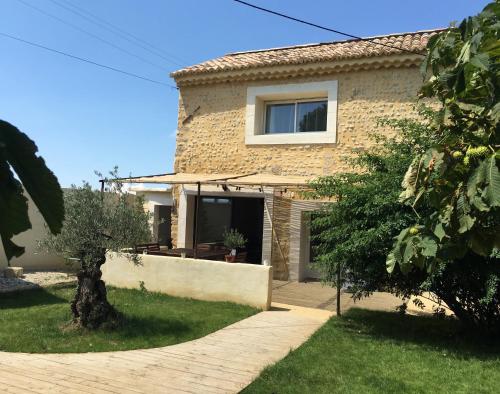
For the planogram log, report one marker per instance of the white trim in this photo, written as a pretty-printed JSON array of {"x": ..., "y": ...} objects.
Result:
[
  {"x": 299, "y": 264},
  {"x": 182, "y": 219},
  {"x": 258, "y": 95}
]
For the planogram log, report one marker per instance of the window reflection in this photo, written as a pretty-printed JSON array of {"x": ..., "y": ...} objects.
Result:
[
  {"x": 311, "y": 116},
  {"x": 298, "y": 116}
]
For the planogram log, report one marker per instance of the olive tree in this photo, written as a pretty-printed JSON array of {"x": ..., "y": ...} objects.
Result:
[{"x": 96, "y": 223}]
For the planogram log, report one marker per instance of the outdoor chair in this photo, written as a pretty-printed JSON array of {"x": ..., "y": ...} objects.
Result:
[{"x": 149, "y": 247}]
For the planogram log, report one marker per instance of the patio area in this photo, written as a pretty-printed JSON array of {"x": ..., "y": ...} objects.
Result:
[{"x": 313, "y": 294}]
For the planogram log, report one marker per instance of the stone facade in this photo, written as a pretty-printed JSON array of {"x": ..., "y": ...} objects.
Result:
[
  {"x": 211, "y": 127},
  {"x": 211, "y": 136}
]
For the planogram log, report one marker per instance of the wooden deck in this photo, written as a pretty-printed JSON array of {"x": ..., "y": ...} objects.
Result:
[
  {"x": 223, "y": 362},
  {"x": 314, "y": 294}
]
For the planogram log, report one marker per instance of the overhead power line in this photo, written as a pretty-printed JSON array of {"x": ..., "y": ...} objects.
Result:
[
  {"x": 323, "y": 27},
  {"x": 91, "y": 34},
  {"x": 86, "y": 60},
  {"x": 104, "y": 24}
]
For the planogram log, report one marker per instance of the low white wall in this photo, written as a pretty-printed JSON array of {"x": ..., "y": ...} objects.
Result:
[
  {"x": 247, "y": 284},
  {"x": 32, "y": 258}
]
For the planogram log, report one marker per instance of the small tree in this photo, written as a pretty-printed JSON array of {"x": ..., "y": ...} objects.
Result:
[
  {"x": 454, "y": 186},
  {"x": 19, "y": 153},
  {"x": 96, "y": 223}
]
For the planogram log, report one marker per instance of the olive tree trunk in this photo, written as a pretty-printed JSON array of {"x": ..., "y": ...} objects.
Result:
[{"x": 90, "y": 307}]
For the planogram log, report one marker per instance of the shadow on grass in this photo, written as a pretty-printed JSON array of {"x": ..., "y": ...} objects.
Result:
[
  {"x": 445, "y": 334},
  {"x": 150, "y": 326},
  {"x": 33, "y": 297}
]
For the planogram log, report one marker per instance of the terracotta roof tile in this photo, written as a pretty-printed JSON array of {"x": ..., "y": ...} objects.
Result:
[{"x": 323, "y": 52}]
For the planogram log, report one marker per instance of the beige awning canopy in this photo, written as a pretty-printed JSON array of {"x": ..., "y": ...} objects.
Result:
[{"x": 253, "y": 179}]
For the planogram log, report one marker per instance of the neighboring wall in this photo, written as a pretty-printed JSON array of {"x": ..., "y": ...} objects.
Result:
[
  {"x": 200, "y": 279},
  {"x": 153, "y": 198},
  {"x": 32, "y": 258}
]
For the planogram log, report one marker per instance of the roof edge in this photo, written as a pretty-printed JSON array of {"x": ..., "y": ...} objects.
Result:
[
  {"x": 212, "y": 66},
  {"x": 280, "y": 71},
  {"x": 436, "y": 30}
]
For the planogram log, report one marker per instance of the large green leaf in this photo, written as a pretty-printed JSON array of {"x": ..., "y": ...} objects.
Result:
[
  {"x": 429, "y": 247},
  {"x": 13, "y": 209},
  {"x": 439, "y": 231},
  {"x": 20, "y": 153},
  {"x": 390, "y": 263},
  {"x": 466, "y": 223},
  {"x": 492, "y": 190},
  {"x": 476, "y": 179},
  {"x": 410, "y": 179},
  {"x": 481, "y": 61},
  {"x": 495, "y": 113}
]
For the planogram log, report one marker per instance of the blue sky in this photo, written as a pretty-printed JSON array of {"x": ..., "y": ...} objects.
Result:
[{"x": 84, "y": 118}]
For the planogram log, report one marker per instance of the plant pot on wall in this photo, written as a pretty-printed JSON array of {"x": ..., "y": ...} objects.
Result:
[
  {"x": 233, "y": 240},
  {"x": 230, "y": 258}
]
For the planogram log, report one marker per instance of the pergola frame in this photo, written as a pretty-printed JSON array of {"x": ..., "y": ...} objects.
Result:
[
  {"x": 227, "y": 180},
  {"x": 224, "y": 180}
]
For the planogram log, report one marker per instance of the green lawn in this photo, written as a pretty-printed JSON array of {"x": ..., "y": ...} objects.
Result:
[
  {"x": 382, "y": 352},
  {"x": 34, "y": 321}
]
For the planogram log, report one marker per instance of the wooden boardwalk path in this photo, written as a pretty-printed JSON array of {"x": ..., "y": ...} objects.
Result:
[{"x": 223, "y": 362}]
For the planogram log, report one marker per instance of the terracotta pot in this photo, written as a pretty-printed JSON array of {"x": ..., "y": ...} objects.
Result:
[{"x": 230, "y": 258}]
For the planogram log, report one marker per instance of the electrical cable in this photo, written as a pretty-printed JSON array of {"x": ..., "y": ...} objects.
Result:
[
  {"x": 324, "y": 27},
  {"x": 86, "y": 60},
  {"x": 91, "y": 34}
]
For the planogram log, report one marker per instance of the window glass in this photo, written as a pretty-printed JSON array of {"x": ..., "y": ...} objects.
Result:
[
  {"x": 280, "y": 118},
  {"x": 311, "y": 116},
  {"x": 215, "y": 217}
]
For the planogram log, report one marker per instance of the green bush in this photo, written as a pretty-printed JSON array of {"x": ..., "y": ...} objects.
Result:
[{"x": 355, "y": 233}]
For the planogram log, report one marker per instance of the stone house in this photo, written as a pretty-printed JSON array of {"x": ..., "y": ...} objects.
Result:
[{"x": 277, "y": 115}]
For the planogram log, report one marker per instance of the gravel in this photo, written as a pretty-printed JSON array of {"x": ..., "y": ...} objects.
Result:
[{"x": 35, "y": 279}]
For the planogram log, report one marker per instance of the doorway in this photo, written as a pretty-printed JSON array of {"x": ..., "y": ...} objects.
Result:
[
  {"x": 162, "y": 225},
  {"x": 245, "y": 214}
]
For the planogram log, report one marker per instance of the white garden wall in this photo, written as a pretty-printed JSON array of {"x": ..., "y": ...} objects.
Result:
[
  {"x": 247, "y": 284},
  {"x": 33, "y": 259}
]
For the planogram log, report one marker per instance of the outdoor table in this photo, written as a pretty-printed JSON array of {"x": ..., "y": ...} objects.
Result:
[{"x": 189, "y": 252}]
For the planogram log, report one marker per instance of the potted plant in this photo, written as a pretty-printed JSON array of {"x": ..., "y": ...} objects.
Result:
[{"x": 233, "y": 240}]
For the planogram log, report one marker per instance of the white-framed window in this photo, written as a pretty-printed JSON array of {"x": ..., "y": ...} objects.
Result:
[{"x": 292, "y": 114}]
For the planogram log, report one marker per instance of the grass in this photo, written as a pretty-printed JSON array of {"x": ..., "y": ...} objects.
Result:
[
  {"x": 34, "y": 320},
  {"x": 383, "y": 352}
]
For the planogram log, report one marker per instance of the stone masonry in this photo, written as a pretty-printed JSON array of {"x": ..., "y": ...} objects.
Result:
[
  {"x": 373, "y": 82},
  {"x": 211, "y": 137}
]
